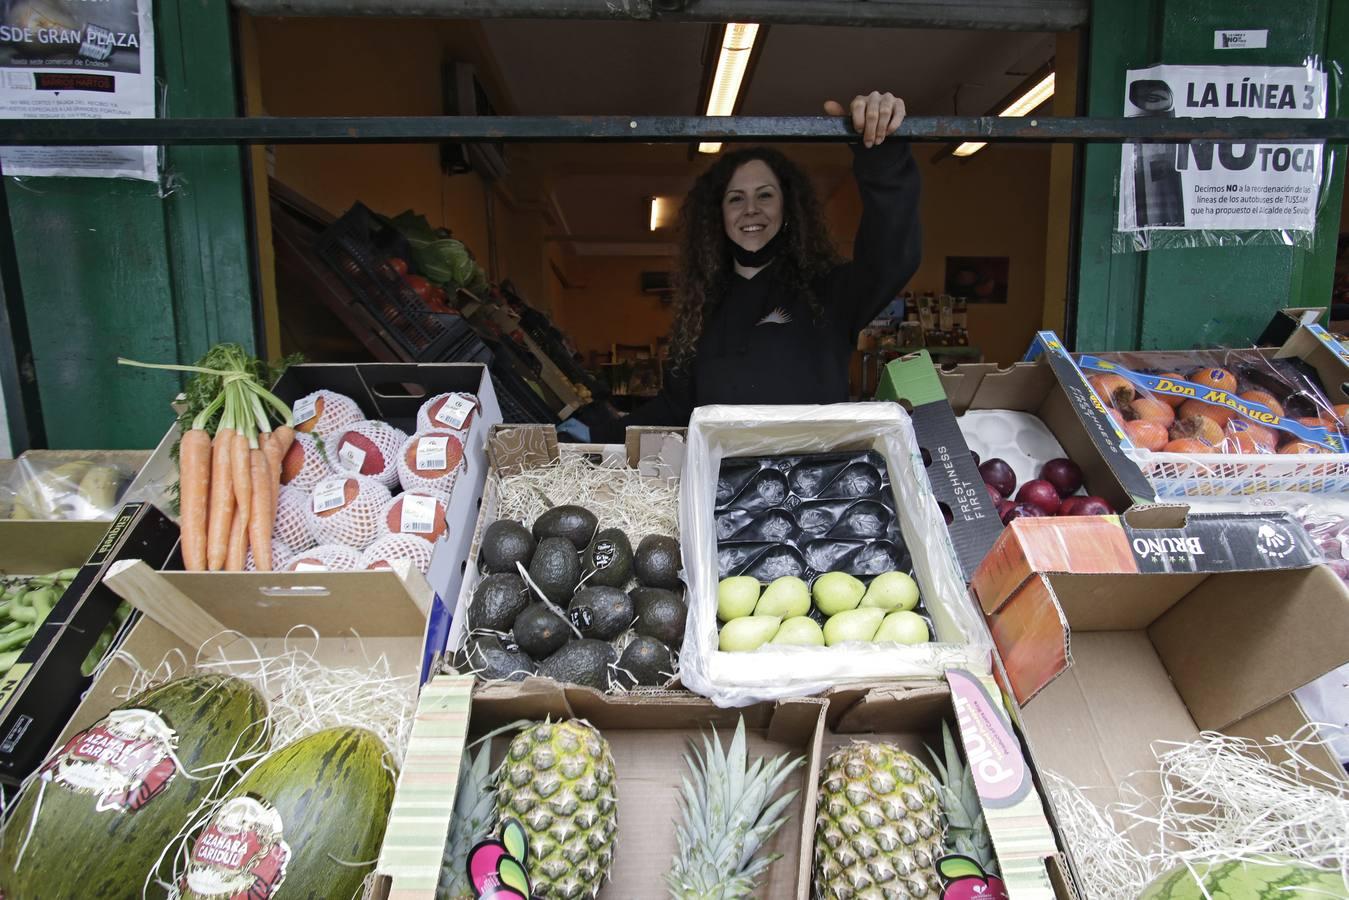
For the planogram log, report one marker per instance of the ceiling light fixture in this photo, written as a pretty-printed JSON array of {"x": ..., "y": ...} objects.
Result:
[
  {"x": 737, "y": 43},
  {"x": 655, "y": 212},
  {"x": 1040, "y": 92}
]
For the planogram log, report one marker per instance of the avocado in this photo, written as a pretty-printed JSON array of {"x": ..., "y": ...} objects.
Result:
[
  {"x": 497, "y": 600},
  {"x": 581, "y": 662},
  {"x": 661, "y": 614},
  {"x": 539, "y": 631},
  {"x": 608, "y": 559},
  {"x": 575, "y": 523},
  {"x": 657, "y": 562},
  {"x": 645, "y": 661},
  {"x": 488, "y": 658},
  {"x": 504, "y": 543},
  {"x": 601, "y": 612},
  {"x": 556, "y": 569}
]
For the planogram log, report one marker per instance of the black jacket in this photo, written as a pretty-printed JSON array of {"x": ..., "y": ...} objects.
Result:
[{"x": 762, "y": 345}]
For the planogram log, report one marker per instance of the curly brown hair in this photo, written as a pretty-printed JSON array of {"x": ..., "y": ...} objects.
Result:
[{"x": 705, "y": 261}]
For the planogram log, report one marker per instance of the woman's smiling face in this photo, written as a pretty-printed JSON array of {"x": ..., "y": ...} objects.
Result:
[{"x": 751, "y": 208}]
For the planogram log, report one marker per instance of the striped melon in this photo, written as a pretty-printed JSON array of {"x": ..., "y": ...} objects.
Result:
[
  {"x": 1270, "y": 879},
  {"x": 111, "y": 799},
  {"x": 306, "y": 822}
]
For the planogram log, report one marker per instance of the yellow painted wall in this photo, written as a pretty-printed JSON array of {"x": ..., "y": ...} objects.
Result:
[{"x": 607, "y": 305}]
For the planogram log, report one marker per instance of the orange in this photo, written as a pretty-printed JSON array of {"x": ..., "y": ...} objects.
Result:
[
  {"x": 1171, "y": 399},
  {"x": 1302, "y": 447},
  {"x": 1219, "y": 414},
  {"x": 1319, "y": 422},
  {"x": 1114, "y": 390},
  {"x": 1264, "y": 398},
  {"x": 1151, "y": 409},
  {"x": 1215, "y": 377},
  {"x": 1248, "y": 437},
  {"x": 1188, "y": 445},
  {"x": 1146, "y": 434},
  {"x": 1200, "y": 427}
]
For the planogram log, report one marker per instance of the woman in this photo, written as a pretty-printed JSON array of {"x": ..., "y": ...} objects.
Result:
[{"x": 764, "y": 310}]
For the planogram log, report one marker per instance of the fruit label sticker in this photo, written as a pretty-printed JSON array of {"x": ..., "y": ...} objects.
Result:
[
  {"x": 455, "y": 411},
  {"x": 352, "y": 457},
  {"x": 498, "y": 868},
  {"x": 309, "y": 567},
  {"x": 419, "y": 514},
  {"x": 126, "y": 760},
  {"x": 991, "y": 750},
  {"x": 431, "y": 452},
  {"x": 604, "y": 554},
  {"x": 305, "y": 409},
  {"x": 241, "y": 855},
  {"x": 581, "y": 617},
  {"x": 330, "y": 493}
]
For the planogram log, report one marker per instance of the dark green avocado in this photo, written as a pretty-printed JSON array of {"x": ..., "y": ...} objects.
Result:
[
  {"x": 497, "y": 600},
  {"x": 601, "y": 612},
  {"x": 608, "y": 559},
  {"x": 661, "y": 614},
  {"x": 581, "y": 662},
  {"x": 556, "y": 569},
  {"x": 540, "y": 632},
  {"x": 505, "y": 543},
  {"x": 488, "y": 658},
  {"x": 657, "y": 562},
  {"x": 575, "y": 523},
  {"x": 645, "y": 661}
]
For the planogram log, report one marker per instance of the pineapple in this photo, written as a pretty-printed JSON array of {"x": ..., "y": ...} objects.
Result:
[
  {"x": 880, "y": 828},
  {"x": 558, "y": 781},
  {"x": 966, "y": 831},
  {"x": 729, "y": 814},
  {"x": 474, "y": 820}
]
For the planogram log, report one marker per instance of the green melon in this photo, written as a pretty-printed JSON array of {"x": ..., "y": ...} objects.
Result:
[
  {"x": 307, "y": 821},
  {"x": 1275, "y": 879},
  {"x": 111, "y": 799}
]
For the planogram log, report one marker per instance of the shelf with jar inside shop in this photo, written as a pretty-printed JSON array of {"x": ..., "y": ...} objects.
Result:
[{"x": 937, "y": 323}]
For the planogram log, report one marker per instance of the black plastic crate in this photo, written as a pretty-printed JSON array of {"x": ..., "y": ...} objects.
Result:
[{"x": 355, "y": 246}]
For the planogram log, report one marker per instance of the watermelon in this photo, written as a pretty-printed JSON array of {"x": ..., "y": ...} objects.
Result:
[
  {"x": 111, "y": 799},
  {"x": 1270, "y": 879},
  {"x": 307, "y": 821}
]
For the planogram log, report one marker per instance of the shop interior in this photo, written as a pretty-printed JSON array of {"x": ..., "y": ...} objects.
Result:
[{"x": 583, "y": 234}]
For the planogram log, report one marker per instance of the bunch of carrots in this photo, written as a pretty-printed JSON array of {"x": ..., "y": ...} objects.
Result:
[{"x": 229, "y": 460}]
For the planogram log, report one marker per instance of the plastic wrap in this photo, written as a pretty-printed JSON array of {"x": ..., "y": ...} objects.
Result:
[
  {"x": 431, "y": 461},
  {"x": 369, "y": 448},
  {"x": 346, "y": 511},
  {"x": 59, "y": 487},
  {"x": 773, "y": 672}
]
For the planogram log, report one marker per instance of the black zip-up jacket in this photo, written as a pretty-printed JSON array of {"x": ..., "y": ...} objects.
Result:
[{"x": 762, "y": 345}]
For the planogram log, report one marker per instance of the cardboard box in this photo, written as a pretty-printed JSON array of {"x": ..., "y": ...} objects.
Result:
[
  {"x": 972, "y": 520},
  {"x": 391, "y": 392},
  {"x": 43, "y": 687},
  {"x": 511, "y": 449},
  {"x": 1107, "y": 652},
  {"x": 648, "y": 734}
]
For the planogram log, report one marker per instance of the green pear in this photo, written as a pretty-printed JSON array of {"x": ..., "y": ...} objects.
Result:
[
  {"x": 893, "y": 590},
  {"x": 836, "y": 592},
  {"x": 903, "y": 627},
  {"x": 852, "y": 625},
  {"x": 787, "y": 597},
  {"x": 800, "y": 631},
  {"x": 736, "y": 597},
  {"x": 748, "y": 633}
]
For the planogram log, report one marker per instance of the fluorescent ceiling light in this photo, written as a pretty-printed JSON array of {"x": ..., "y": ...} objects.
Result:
[
  {"x": 736, "y": 45},
  {"x": 1027, "y": 102},
  {"x": 655, "y": 213}
]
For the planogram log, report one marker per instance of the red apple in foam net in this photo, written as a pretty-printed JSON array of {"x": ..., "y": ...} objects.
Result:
[
  {"x": 1085, "y": 506},
  {"x": 1042, "y": 494},
  {"x": 997, "y": 473},
  {"x": 1064, "y": 474},
  {"x": 373, "y": 462}
]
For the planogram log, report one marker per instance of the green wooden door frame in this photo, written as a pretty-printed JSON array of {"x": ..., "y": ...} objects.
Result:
[
  {"x": 113, "y": 267},
  {"x": 1206, "y": 296}
]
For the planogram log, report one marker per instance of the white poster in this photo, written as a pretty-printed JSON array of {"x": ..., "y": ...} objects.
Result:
[
  {"x": 81, "y": 59},
  {"x": 1214, "y": 185}
]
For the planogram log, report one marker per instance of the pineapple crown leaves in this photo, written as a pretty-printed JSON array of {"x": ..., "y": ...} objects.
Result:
[
  {"x": 966, "y": 830},
  {"x": 728, "y": 815},
  {"x": 473, "y": 822}
]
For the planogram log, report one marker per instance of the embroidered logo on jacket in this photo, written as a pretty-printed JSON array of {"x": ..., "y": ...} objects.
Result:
[{"x": 778, "y": 316}]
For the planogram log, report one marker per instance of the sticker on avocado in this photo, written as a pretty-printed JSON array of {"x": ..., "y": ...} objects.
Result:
[
  {"x": 126, "y": 760},
  {"x": 604, "y": 554},
  {"x": 241, "y": 854}
]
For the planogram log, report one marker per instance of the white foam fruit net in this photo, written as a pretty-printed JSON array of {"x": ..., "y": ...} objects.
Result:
[
  {"x": 432, "y": 480},
  {"x": 369, "y": 448},
  {"x": 398, "y": 516},
  {"x": 332, "y": 557},
  {"x": 313, "y": 467},
  {"x": 292, "y": 520},
  {"x": 281, "y": 554},
  {"x": 356, "y": 522},
  {"x": 443, "y": 411},
  {"x": 394, "y": 547},
  {"x": 338, "y": 413}
]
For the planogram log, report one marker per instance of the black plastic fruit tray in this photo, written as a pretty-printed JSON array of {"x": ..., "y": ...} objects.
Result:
[
  {"x": 355, "y": 246},
  {"x": 806, "y": 515}
]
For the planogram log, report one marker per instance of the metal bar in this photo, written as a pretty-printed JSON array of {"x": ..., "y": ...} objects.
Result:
[
  {"x": 18, "y": 375},
  {"x": 999, "y": 15},
  {"x": 650, "y": 129}
]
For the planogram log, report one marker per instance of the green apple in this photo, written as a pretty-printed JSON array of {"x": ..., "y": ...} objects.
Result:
[
  {"x": 748, "y": 633},
  {"x": 852, "y": 625},
  {"x": 904, "y": 627},
  {"x": 787, "y": 597},
  {"x": 893, "y": 590},
  {"x": 736, "y": 597},
  {"x": 801, "y": 631},
  {"x": 836, "y": 592}
]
